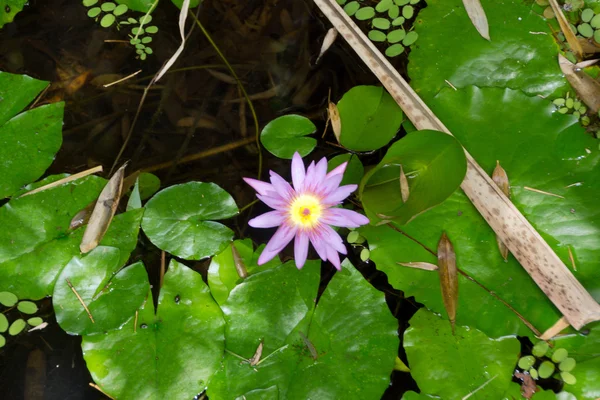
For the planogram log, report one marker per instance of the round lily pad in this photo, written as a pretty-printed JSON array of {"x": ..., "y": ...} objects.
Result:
[
  {"x": 149, "y": 183},
  {"x": 377, "y": 36},
  {"x": 546, "y": 370},
  {"x": 286, "y": 135},
  {"x": 16, "y": 327},
  {"x": 27, "y": 307},
  {"x": 365, "y": 13},
  {"x": 370, "y": 118},
  {"x": 8, "y": 299},
  {"x": 3, "y": 323},
  {"x": 354, "y": 169},
  {"x": 180, "y": 220}
]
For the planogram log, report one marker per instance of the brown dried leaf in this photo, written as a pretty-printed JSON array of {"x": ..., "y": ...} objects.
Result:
[
  {"x": 404, "y": 189},
  {"x": 82, "y": 217},
  {"x": 500, "y": 178},
  {"x": 327, "y": 42},
  {"x": 528, "y": 386},
  {"x": 448, "y": 277},
  {"x": 420, "y": 265},
  {"x": 478, "y": 17},
  {"x": 586, "y": 87},
  {"x": 336, "y": 122},
  {"x": 566, "y": 30},
  {"x": 240, "y": 267},
  {"x": 103, "y": 213},
  {"x": 256, "y": 357}
]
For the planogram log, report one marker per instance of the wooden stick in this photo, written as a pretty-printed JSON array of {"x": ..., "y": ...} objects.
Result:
[
  {"x": 523, "y": 241},
  {"x": 555, "y": 329},
  {"x": 81, "y": 301},
  {"x": 62, "y": 181}
]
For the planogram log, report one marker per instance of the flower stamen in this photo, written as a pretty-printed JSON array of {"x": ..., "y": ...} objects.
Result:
[{"x": 305, "y": 211}]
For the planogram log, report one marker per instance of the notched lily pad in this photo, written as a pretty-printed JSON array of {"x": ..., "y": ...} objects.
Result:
[{"x": 286, "y": 135}]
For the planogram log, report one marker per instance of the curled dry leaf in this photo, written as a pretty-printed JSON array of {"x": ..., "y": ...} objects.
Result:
[
  {"x": 586, "y": 87},
  {"x": 420, "y": 265},
  {"x": 404, "y": 189},
  {"x": 256, "y": 357},
  {"x": 478, "y": 17},
  {"x": 103, "y": 213},
  {"x": 500, "y": 178},
  {"x": 82, "y": 217},
  {"x": 240, "y": 267},
  {"x": 327, "y": 42},
  {"x": 565, "y": 27},
  {"x": 336, "y": 122},
  {"x": 448, "y": 277}
]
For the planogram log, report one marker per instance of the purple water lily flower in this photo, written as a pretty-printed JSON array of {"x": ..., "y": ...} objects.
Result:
[{"x": 305, "y": 211}]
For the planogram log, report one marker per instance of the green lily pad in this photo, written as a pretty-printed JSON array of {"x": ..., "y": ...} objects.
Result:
[
  {"x": 222, "y": 274},
  {"x": 434, "y": 164},
  {"x": 8, "y": 10},
  {"x": 39, "y": 243},
  {"x": 468, "y": 59},
  {"x": 354, "y": 170},
  {"x": 8, "y": 299},
  {"x": 370, "y": 118},
  {"x": 29, "y": 140},
  {"x": 27, "y": 307},
  {"x": 286, "y": 135},
  {"x": 135, "y": 201},
  {"x": 538, "y": 148},
  {"x": 325, "y": 352},
  {"x": 452, "y": 366},
  {"x": 179, "y": 219},
  {"x": 170, "y": 355},
  {"x": 111, "y": 296},
  {"x": 149, "y": 184}
]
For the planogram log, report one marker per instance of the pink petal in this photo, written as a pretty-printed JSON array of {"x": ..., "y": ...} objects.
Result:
[
  {"x": 319, "y": 245},
  {"x": 260, "y": 186},
  {"x": 330, "y": 185},
  {"x": 274, "y": 201},
  {"x": 338, "y": 195},
  {"x": 320, "y": 171},
  {"x": 281, "y": 238},
  {"x": 283, "y": 188},
  {"x": 339, "y": 170},
  {"x": 309, "y": 178},
  {"x": 266, "y": 256},
  {"x": 344, "y": 218},
  {"x": 332, "y": 239},
  {"x": 270, "y": 219},
  {"x": 300, "y": 249},
  {"x": 334, "y": 258},
  {"x": 298, "y": 172}
]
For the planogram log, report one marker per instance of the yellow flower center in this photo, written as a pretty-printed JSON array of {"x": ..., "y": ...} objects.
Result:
[{"x": 306, "y": 210}]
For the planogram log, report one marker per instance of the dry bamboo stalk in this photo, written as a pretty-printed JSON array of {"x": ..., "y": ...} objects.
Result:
[{"x": 523, "y": 241}]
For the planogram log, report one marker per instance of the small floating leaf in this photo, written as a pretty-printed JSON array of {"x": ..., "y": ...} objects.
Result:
[
  {"x": 540, "y": 349},
  {"x": 595, "y": 22},
  {"x": 2, "y": 341},
  {"x": 120, "y": 10},
  {"x": 3, "y": 323},
  {"x": 559, "y": 102},
  {"x": 365, "y": 13},
  {"x": 401, "y": 2},
  {"x": 525, "y": 363},
  {"x": 408, "y": 12},
  {"x": 35, "y": 321},
  {"x": 534, "y": 374},
  {"x": 351, "y": 8},
  {"x": 8, "y": 299},
  {"x": 385, "y": 5},
  {"x": 569, "y": 103},
  {"x": 396, "y": 36},
  {"x": 568, "y": 378},
  {"x": 107, "y": 7},
  {"x": 546, "y": 370},
  {"x": 89, "y": 3},
  {"x": 394, "y": 50},
  {"x": 585, "y": 30},
  {"x": 16, "y": 327},
  {"x": 394, "y": 12},
  {"x": 27, "y": 307},
  {"x": 381, "y": 23},
  {"x": 559, "y": 355},
  {"x": 587, "y": 15},
  {"x": 567, "y": 364},
  {"x": 352, "y": 237},
  {"x": 138, "y": 31},
  {"x": 448, "y": 277},
  {"x": 94, "y": 12},
  {"x": 365, "y": 254},
  {"x": 377, "y": 36},
  {"x": 146, "y": 19},
  {"x": 398, "y": 21},
  {"x": 410, "y": 38},
  {"x": 107, "y": 20}
]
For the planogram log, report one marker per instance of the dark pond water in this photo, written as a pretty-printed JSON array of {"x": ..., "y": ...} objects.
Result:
[{"x": 271, "y": 43}]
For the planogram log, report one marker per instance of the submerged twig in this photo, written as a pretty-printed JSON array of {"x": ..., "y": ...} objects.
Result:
[{"x": 68, "y": 179}]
